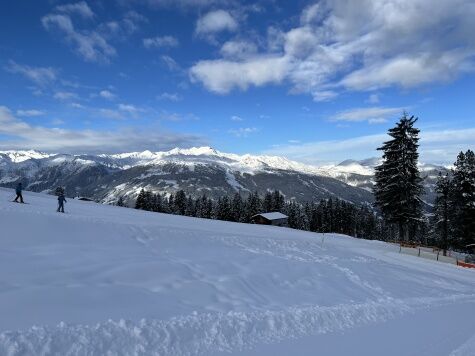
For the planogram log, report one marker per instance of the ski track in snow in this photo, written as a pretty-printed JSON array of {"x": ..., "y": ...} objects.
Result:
[
  {"x": 301, "y": 252},
  {"x": 466, "y": 349},
  {"x": 200, "y": 334}
]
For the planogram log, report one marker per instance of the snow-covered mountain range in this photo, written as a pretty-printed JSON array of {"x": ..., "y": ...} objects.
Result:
[{"x": 201, "y": 170}]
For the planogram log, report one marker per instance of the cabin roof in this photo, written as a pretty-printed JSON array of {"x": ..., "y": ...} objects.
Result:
[{"x": 272, "y": 216}]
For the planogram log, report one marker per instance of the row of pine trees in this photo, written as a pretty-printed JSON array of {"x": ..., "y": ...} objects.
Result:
[{"x": 332, "y": 215}]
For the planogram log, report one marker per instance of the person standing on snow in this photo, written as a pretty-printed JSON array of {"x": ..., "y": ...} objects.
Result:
[
  {"x": 18, "y": 190},
  {"x": 61, "y": 201}
]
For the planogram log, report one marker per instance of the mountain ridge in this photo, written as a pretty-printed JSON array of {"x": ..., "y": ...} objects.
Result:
[{"x": 197, "y": 170}]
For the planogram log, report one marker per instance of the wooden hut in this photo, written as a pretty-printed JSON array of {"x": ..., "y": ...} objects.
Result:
[{"x": 274, "y": 218}]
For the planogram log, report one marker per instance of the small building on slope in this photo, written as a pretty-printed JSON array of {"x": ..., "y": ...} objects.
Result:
[{"x": 274, "y": 218}]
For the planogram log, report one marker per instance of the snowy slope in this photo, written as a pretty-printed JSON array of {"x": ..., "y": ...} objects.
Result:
[{"x": 107, "y": 279}]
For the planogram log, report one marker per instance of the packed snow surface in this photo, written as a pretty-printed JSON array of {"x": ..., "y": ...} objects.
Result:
[{"x": 104, "y": 280}]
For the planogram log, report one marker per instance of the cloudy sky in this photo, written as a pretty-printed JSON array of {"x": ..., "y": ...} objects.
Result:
[{"x": 316, "y": 81}]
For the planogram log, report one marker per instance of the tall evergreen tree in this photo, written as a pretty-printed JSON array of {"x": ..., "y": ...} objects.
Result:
[
  {"x": 190, "y": 207},
  {"x": 222, "y": 209},
  {"x": 463, "y": 199},
  {"x": 442, "y": 210},
  {"x": 140, "y": 201},
  {"x": 267, "y": 202},
  {"x": 278, "y": 201},
  {"x": 180, "y": 203},
  {"x": 398, "y": 183},
  {"x": 253, "y": 206},
  {"x": 237, "y": 208}
]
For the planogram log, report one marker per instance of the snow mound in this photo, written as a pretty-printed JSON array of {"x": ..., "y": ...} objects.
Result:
[{"x": 200, "y": 334}]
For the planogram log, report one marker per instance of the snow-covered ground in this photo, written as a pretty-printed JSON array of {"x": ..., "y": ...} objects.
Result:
[{"x": 103, "y": 280}]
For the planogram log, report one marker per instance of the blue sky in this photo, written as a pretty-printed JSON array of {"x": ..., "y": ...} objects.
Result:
[{"x": 315, "y": 81}]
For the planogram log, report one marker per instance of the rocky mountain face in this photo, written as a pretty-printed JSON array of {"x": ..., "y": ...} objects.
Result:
[{"x": 197, "y": 171}]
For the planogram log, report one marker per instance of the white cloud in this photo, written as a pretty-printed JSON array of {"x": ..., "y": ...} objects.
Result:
[
  {"x": 65, "y": 95},
  {"x": 123, "y": 28},
  {"x": 238, "y": 49},
  {"x": 131, "y": 109},
  {"x": 77, "y": 106},
  {"x": 236, "y": 118},
  {"x": 185, "y": 4},
  {"x": 216, "y": 21},
  {"x": 112, "y": 114},
  {"x": 106, "y": 94},
  {"x": 26, "y": 136},
  {"x": 357, "y": 45},
  {"x": 169, "y": 96},
  {"x": 406, "y": 71},
  {"x": 324, "y": 95},
  {"x": 80, "y": 8},
  {"x": 222, "y": 76},
  {"x": 372, "y": 115},
  {"x": 41, "y": 76},
  {"x": 90, "y": 45},
  {"x": 30, "y": 113},
  {"x": 123, "y": 112},
  {"x": 173, "y": 116},
  {"x": 311, "y": 13},
  {"x": 171, "y": 63},
  {"x": 243, "y": 131},
  {"x": 160, "y": 42}
]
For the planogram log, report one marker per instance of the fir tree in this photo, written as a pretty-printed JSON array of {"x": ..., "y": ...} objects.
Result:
[
  {"x": 157, "y": 203},
  {"x": 190, "y": 209},
  {"x": 398, "y": 184},
  {"x": 148, "y": 201},
  {"x": 223, "y": 209},
  {"x": 237, "y": 208},
  {"x": 140, "y": 201},
  {"x": 253, "y": 206},
  {"x": 180, "y": 203},
  {"x": 267, "y": 202},
  {"x": 463, "y": 199},
  {"x": 442, "y": 210},
  {"x": 278, "y": 201}
]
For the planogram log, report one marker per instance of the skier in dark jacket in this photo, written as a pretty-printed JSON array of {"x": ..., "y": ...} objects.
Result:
[
  {"x": 61, "y": 201},
  {"x": 18, "y": 190}
]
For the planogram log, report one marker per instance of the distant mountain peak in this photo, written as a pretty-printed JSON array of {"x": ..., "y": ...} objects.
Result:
[{"x": 24, "y": 155}]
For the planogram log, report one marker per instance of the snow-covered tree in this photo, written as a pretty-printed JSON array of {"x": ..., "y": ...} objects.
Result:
[
  {"x": 463, "y": 199},
  {"x": 140, "y": 201},
  {"x": 442, "y": 210},
  {"x": 237, "y": 208},
  {"x": 180, "y": 203},
  {"x": 398, "y": 183},
  {"x": 253, "y": 206},
  {"x": 223, "y": 209}
]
